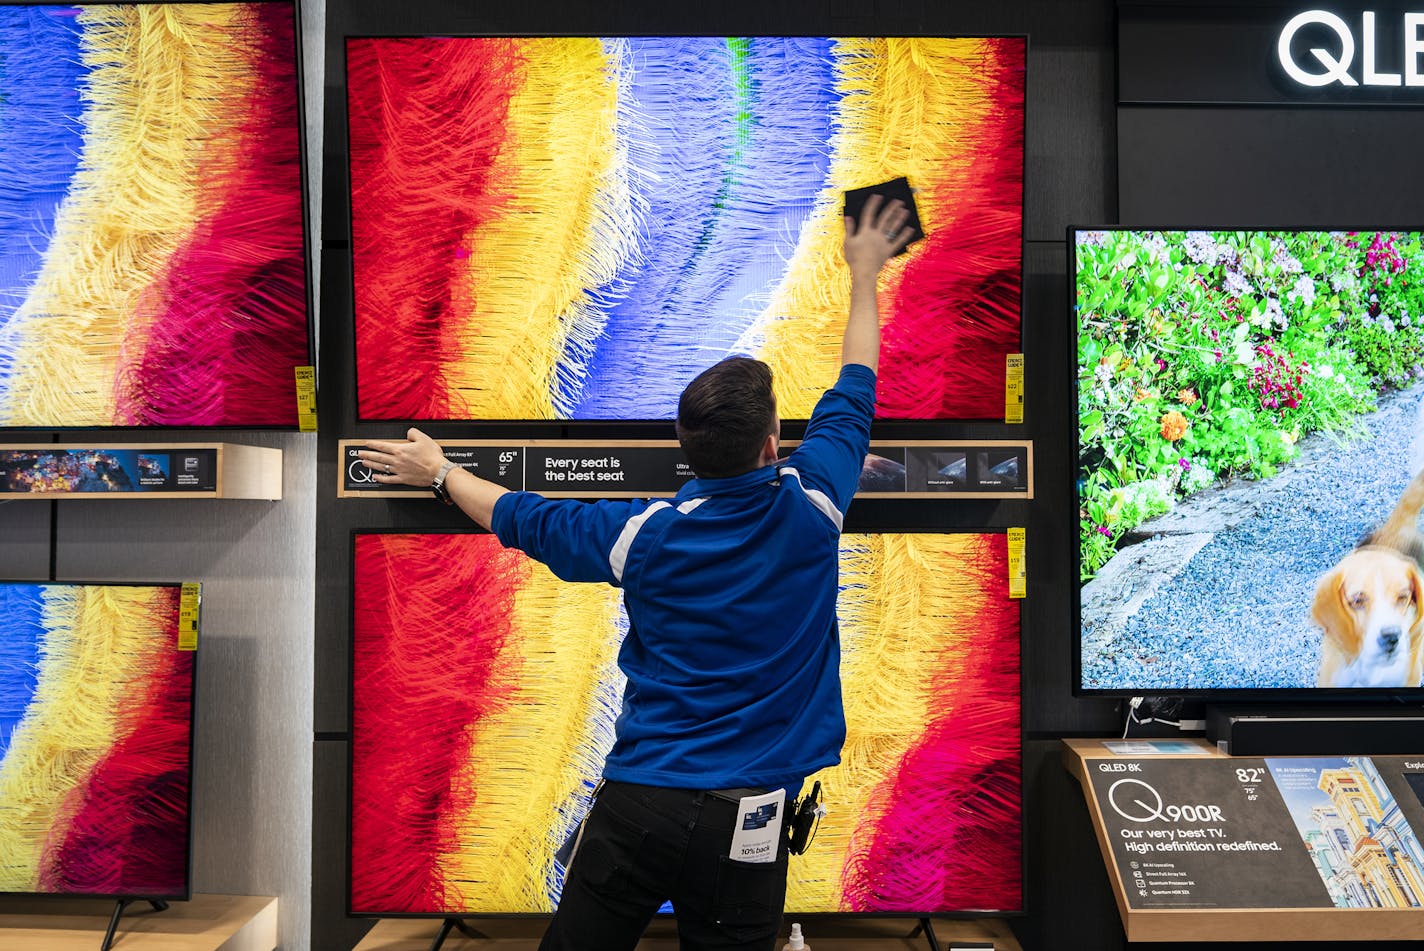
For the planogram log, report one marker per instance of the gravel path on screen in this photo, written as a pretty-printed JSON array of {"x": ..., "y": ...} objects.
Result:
[{"x": 1238, "y": 612}]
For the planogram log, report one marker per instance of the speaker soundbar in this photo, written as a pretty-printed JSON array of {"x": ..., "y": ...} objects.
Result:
[{"x": 1316, "y": 731}]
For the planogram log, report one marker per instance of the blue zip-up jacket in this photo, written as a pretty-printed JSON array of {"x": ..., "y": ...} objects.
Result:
[{"x": 732, "y": 653}]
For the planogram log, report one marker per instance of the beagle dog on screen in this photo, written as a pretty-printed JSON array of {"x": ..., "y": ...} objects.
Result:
[{"x": 1371, "y": 605}]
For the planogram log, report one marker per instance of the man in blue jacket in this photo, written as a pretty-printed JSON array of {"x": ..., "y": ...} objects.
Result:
[{"x": 732, "y": 655}]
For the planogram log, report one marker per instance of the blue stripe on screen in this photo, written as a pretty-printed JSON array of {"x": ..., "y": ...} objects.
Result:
[
  {"x": 21, "y": 634},
  {"x": 732, "y": 140},
  {"x": 676, "y": 119},
  {"x": 41, "y": 136}
]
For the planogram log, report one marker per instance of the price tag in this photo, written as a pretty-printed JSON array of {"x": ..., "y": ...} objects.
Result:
[
  {"x": 190, "y": 599},
  {"x": 1018, "y": 564},
  {"x": 306, "y": 399},
  {"x": 1014, "y": 388}
]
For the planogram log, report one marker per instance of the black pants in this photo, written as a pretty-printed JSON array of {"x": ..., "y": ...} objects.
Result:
[{"x": 643, "y": 845}]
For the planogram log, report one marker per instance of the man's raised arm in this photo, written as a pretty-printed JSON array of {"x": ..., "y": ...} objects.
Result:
[{"x": 869, "y": 243}]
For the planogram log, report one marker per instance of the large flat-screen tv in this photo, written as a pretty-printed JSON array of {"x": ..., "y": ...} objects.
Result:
[
  {"x": 1249, "y": 433},
  {"x": 96, "y": 714},
  {"x": 485, "y": 692},
  {"x": 571, "y": 228},
  {"x": 152, "y": 246}
]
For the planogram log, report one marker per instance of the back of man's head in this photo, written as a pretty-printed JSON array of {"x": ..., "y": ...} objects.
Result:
[{"x": 724, "y": 417}]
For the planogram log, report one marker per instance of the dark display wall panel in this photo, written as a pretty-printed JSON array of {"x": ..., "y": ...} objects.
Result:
[
  {"x": 1244, "y": 167},
  {"x": 1069, "y": 147}
]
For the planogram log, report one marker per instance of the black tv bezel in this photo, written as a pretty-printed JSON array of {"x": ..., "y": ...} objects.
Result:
[
  {"x": 187, "y": 892},
  {"x": 1284, "y": 695},
  {"x": 957, "y": 915},
  {"x": 881, "y": 428},
  {"x": 309, "y": 290}
]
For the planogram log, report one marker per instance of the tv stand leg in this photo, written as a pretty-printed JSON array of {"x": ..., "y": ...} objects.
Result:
[
  {"x": 927, "y": 927},
  {"x": 119, "y": 906},
  {"x": 453, "y": 924}
]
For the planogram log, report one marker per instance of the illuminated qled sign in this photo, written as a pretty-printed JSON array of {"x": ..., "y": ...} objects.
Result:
[{"x": 1318, "y": 48}]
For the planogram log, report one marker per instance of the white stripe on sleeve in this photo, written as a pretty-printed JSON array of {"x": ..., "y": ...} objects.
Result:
[
  {"x": 821, "y": 500},
  {"x": 618, "y": 557}
]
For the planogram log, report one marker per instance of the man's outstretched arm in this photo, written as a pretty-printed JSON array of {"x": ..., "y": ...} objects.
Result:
[
  {"x": 869, "y": 243},
  {"x": 417, "y": 462}
]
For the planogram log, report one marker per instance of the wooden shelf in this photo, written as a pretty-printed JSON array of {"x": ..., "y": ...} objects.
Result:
[
  {"x": 832, "y": 934},
  {"x": 214, "y": 470},
  {"x": 1089, "y": 758},
  {"x": 207, "y": 923},
  {"x": 647, "y": 468}
]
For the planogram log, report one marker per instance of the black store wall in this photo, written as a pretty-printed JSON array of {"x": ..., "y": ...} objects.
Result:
[{"x": 1072, "y": 176}]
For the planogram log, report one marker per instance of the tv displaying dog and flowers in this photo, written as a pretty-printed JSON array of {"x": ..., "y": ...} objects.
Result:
[{"x": 1249, "y": 436}]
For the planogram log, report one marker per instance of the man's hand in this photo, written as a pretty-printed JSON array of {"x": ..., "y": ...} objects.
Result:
[
  {"x": 416, "y": 461},
  {"x": 873, "y": 240},
  {"x": 868, "y": 245}
]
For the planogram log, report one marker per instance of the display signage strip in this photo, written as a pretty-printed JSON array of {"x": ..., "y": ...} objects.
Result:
[
  {"x": 1202, "y": 846},
  {"x": 51, "y": 471},
  {"x": 1263, "y": 54},
  {"x": 904, "y": 469}
]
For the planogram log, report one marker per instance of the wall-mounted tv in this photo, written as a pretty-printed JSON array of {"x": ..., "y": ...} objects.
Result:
[
  {"x": 485, "y": 692},
  {"x": 571, "y": 228},
  {"x": 96, "y": 713},
  {"x": 1249, "y": 432},
  {"x": 152, "y": 246}
]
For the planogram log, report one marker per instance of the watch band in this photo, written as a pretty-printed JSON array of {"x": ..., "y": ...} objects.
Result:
[{"x": 438, "y": 484}]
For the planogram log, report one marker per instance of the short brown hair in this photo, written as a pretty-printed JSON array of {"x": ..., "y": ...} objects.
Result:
[{"x": 724, "y": 417}]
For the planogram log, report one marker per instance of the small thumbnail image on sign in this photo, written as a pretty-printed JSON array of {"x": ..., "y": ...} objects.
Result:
[
  {"x": 936, "y": 470},
  {"x": 881, "y": 474},
  {"x": 1000, "y": 470},
  {"x": 153, "y": 468},
  {"x": 952, "y": 468}
]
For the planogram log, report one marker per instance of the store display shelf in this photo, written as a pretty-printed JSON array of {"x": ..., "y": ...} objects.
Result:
[
  {"x": 1201, "y": 846},
  {"x": 149, "y": 471},
  {"x": 642, "y": 468},
  {"x": 207, "y": 923}
]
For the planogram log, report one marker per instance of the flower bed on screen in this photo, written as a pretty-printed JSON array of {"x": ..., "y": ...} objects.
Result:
[{"x": 1209, "y": 355}]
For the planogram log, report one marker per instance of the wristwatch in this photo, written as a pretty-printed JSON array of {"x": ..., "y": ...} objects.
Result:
[{"x": 438, "y": 485}]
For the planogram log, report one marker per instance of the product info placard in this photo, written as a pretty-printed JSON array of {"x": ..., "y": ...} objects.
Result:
[
  {"x": 1203, "y": 834},
  {"x": 1273, "y": 832},
  {"x": 984, "y": 469},
  {"x": 1203, "y": 846}
]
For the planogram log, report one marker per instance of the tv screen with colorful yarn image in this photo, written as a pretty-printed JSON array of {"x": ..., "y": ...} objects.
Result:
[
  {"x": 571, "y": 228},
  {"x": 485, "y": 693},
  {"x": 96, "y": 712},
  {"x": 152, "y": 238},
  {"x": 1250, "y": 447}
]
